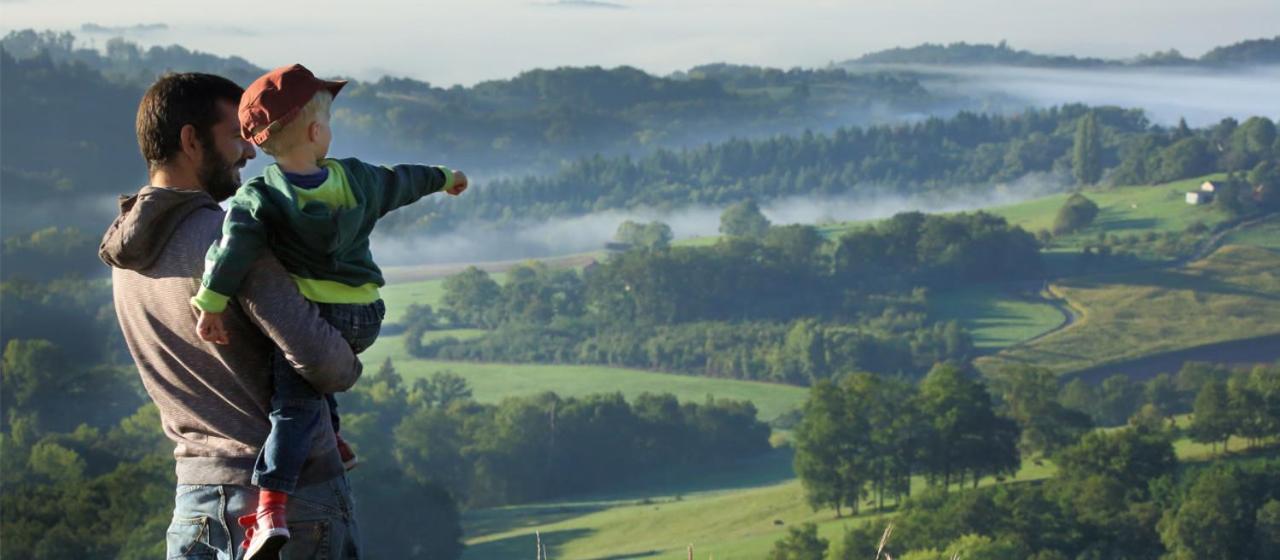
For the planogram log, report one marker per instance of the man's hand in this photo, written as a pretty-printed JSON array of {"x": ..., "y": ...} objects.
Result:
[
  {"x": 211, "y": 329},
  {"x": 459, "y": 183}
]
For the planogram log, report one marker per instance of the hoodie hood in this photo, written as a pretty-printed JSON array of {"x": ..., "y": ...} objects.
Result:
[{"x": 146, "y": 222}]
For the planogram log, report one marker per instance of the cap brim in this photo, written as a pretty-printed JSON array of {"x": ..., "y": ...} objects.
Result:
[{"x": 334, "y": 86}]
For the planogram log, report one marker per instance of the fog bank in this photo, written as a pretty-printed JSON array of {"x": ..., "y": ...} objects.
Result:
[
  {"x": 475, "y": 243},
  {"x": 1202, "y": 96}
]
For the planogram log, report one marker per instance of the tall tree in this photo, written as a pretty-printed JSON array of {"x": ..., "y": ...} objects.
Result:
[
  {"x": 1030, "y": 398},
  {"x": 965, "y": 435},
  {"x": 1086, "y": 155},
  {"x": 473, "y": 296},
  {"x": 819, "y": 446},
  {"x": 1212, "y": 420}
]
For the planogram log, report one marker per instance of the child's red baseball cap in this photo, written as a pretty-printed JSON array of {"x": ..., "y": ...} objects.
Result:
[{"x": 277, "y": 97}]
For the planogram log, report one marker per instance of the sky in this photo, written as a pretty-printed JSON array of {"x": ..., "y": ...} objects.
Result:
[{"x": 448, "y": 42}]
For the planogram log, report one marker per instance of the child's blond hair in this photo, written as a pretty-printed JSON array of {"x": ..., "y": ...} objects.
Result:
[{"x": 293, "y": 133}]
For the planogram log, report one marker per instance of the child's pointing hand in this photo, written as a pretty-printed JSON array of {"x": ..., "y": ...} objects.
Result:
[{"x": 459, "y": 183}]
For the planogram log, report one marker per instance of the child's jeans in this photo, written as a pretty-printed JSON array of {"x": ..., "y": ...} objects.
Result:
[{"x": 296, "y": 406}]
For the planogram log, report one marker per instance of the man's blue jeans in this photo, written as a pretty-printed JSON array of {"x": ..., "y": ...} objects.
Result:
[
  {"x": 321, "y": 516},
  {"x": 296, "y": 407}
]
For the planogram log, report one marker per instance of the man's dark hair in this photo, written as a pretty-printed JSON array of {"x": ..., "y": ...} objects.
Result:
[{"x": 177, "y": 100}]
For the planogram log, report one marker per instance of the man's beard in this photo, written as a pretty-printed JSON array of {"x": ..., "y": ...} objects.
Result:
[{"x": 217, "y": 175}]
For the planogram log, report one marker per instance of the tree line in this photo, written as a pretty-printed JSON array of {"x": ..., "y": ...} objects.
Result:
[
  {"x": 1117, "y": 493},
  {"x": 529, "y": 121},
  {"x": 1120, "y": 494},
  {"x": 869, "y": 435},
  {"x": 786, "y": 305},
  {"x": 526, "y": 449},
  {"x": 1252, "y": 51},
  {"x": 1092, "y": 145}
]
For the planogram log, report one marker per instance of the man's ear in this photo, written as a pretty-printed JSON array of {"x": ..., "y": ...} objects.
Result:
[{"x": 190, "y": 142}]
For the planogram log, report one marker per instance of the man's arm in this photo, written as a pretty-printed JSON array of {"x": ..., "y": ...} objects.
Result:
[
  {"x": 313, "y": 347},
  {"x": 244, "y": 236}
]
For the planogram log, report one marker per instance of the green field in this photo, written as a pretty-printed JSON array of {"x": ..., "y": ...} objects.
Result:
[
  {"x": 737, "y": 523},
  {"x": 1124, "y": 210},
  {"x": 996, "y": 318},
  {"x": 1266, "y": 234},
  {"x": 492, "y": 382},
  {"x": 741, "y": 522},
  {"x": 1232, "y": 294}
]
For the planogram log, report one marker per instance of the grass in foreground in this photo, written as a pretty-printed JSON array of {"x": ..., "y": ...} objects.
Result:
[
  {"x": 1234, "y": 293},
  {"x": 737, "y": 523},
  {"x": 724, "y": 524}
]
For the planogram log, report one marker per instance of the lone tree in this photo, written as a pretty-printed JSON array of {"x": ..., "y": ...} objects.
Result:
[
  {"x": 652, "y": 236},
  {"x": 1076, "y": 213},
  {"x": 1086, "y": 157},
  {"x": 744, "y": 219}
]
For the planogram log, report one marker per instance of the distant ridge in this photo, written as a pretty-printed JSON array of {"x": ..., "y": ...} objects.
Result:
[{"x": 1249, "y": 52}]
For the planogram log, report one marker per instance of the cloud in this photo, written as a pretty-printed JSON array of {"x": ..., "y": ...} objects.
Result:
[
  {"x": 231, "y": 30},
  {"x": 588, "y": 4},
  {"x": 122, "y": 29},
  {"x": 1202, "y": 96}
]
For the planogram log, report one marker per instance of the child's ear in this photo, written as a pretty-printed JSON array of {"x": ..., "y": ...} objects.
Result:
[{"x": 313, "y": 131}]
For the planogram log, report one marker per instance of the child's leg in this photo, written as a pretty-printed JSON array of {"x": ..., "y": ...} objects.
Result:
[
  {"x": 295, "y": 418},
  {"x": 359, "y": 325},
  {"x": 333, "y": 412}
]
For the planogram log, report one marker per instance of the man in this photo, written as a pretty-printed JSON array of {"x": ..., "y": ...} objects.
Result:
[{"x": 214, "y": 399}]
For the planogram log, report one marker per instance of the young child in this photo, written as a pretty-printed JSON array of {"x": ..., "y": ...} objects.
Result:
[{"x": 316, "y": 215}]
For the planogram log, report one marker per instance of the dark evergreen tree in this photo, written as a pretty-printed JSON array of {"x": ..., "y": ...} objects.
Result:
[{"x": 1086, "y": 154}]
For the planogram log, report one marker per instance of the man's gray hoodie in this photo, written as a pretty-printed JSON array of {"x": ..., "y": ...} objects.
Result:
[{"x": 213, "y": 399}]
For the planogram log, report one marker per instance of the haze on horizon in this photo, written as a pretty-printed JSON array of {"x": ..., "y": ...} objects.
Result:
[{"x": 465, "y": 41}]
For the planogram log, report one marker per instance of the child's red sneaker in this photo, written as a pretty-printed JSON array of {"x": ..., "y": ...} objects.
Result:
[
  {"x": 266, "y": 531},
  {"x": 349, "y": 459}
]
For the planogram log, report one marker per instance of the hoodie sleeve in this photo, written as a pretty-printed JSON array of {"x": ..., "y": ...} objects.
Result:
[
  {"x": 400, "y": 185},
  {"x": 316, "y": 350},
  {"x": 229, "y": 260}
]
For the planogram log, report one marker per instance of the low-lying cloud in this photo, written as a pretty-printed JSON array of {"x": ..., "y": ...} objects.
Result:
[
  {"x": 589, "y": 4},
  {"x": 1202, "y": 96},
  {"x": 136, "y": 29},
  {"x": 479, "y": 243}
]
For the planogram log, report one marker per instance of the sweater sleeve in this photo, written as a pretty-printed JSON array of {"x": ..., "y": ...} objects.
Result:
[
  {"x": 311, "y": 345},
  {"x": 228, "y": 261},
  {"x": 404, "y": 184}
]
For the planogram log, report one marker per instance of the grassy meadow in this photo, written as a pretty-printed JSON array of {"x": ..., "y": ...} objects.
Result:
[
  {"x": 492, "y": 382},
  {"x": 726, "y": 518},
  {"x": 1234, "y": 293},
  {"x": 740, "y": 522},
  {"x": 1123, "y": 210},
  {"x": 996, "y": 318},
  {"x": 1266, "y": 235}
]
